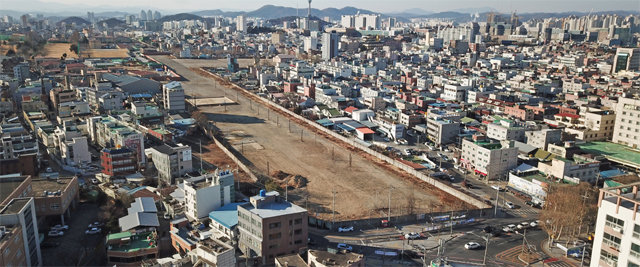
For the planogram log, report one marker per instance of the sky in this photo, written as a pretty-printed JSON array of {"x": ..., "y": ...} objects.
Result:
[{"x": 383, "y": 6}]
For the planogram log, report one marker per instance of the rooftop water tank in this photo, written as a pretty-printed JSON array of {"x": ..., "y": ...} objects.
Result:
[{"x": 263, "y": 193}]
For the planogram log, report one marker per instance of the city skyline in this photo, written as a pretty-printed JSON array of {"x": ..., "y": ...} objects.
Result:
[{"x": 376, "y": 5}]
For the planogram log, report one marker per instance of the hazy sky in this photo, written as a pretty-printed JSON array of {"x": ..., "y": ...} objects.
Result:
[{"x": 384, "y": 6}]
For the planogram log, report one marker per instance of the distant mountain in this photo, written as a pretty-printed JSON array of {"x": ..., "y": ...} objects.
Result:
[
  {"x": 472, "y": 10},
  {"x": 274, "y": 12},
  {"x": 111, "y": 14},
  {"x": 180, "y": 16},
  {"x": 112, "y": 22},
  {"x": 76, "y": 20},
  {"x": 411, "y": 12},
  {"x": 217, "y": 12}
]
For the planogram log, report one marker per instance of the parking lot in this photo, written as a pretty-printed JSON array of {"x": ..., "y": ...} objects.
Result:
[{"x": 75, "y": 247}]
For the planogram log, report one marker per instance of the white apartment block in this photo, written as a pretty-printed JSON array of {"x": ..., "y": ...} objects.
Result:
[
  {"x": 204, "y": 194},
  {"x": 505, "y": 131},
  {"x": 173, "y": 96},
  {"x": 491, "y": 159},
  {"x": 627, "y": 127},
  {"x": 617, "y": 233}
]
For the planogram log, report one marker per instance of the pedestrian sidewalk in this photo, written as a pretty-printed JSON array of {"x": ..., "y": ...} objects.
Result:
[{"x": 557, "y": 253}]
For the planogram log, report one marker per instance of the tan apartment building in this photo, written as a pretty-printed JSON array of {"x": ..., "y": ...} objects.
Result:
[
  {"x": 19, "y": 234},
  {"x": 492, "y": 160},
  {"x": 627, "y": 127},
  {"x": 270, "y": 226}
]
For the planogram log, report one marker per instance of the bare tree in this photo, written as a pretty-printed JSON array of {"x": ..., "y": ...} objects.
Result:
[
  {"x": 411, "y": 201},
  {"x": 567, "y": 209}
]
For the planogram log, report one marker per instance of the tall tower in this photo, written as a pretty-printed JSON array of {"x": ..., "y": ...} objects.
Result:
[{"x": 309, "y": 11}]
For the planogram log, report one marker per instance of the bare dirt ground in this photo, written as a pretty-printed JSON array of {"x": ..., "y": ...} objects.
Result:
[
  {"x": 56, "y": 50},
  {"x": 272, "y": 143}
]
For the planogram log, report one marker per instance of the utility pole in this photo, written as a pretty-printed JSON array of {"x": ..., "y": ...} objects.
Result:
[
  {"x": 301, "y": 133},
  {"x": 389, "y": 214},
  {"x": 495, "y": 211},
  {"x": 451, "y": 224},
  {"x": 289, "y": 126},
  {"x": 333, "y": 153},
  {"x": 486, "y": 245},
  {"x": 277, "y": 121},
  {"x": 268, "y": 173},
  {"x": 286, "y": 192},
  {"x": 333, "y": 210},
  {"x": 201, "y": 169},
  {"x": 349, "y": 159}
]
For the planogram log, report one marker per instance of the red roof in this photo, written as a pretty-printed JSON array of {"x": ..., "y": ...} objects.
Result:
[
  {"x": 350, "y": 109},
  {"x": 365, "y": 130},
  {"x": 568, "y": 115},
  {"x": 415, "y": 166}
]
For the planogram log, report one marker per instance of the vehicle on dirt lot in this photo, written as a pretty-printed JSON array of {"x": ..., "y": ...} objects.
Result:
[{"x": 345, "y": 229}]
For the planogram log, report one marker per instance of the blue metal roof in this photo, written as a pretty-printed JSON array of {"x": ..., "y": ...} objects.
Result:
[
  {"x": 345, "y": 127},
  {"x": 226, "y": 215}
]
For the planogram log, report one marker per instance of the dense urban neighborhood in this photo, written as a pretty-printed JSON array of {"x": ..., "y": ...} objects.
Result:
[{"x": 306, "y": 137}]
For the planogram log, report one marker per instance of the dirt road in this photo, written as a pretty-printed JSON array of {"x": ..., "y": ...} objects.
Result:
[{"x": 273, "y": 143}]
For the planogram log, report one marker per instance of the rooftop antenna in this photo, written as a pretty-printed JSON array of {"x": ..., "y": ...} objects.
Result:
[{"x": 309, "y": 11}]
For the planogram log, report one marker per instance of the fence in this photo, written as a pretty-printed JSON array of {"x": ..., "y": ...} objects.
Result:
[
  {"x": 226, "y": 148},
  {"x": 442, "y": 186}
]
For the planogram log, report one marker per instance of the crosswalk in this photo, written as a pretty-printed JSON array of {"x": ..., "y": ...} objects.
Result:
[{"x": 524, "y": 212}]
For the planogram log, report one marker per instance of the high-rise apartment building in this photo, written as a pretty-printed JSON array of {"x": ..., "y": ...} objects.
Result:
[
  {"x": 241, "y": 23},
  {"x": 329, "y": 45},
  {"x": 626, "y": 59}
]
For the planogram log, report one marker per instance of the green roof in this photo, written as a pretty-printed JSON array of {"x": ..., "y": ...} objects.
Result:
[
  {"x": 467, "y": 120},
  {"x": 544, "y": 155},
  {"x": 614, "y": 152},
  {"x": 137, "y": 242},
  {"x": 119, "y": 235}
]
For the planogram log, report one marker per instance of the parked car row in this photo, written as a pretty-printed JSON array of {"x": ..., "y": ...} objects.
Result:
[{"x": 57, "y": 230}]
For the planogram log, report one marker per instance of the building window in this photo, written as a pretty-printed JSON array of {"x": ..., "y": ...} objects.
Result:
[
  {"x": 635, "y": 251},
  {"x": 636, "y": 231},
  {"x": 297, "y": 232},
  {"x": 275, "y": 236},
  {"x": 611, "y": 241},
  {"x": 614, "y": 223},
  {"x": 274, "y": 225},
  {"x": 298, "y": 221},
  {"x": 297, "y": 242},
  {"x": 610, "y": 259}
]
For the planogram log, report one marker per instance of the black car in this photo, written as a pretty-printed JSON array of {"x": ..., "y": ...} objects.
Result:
[{"x": 487, "y": 229}]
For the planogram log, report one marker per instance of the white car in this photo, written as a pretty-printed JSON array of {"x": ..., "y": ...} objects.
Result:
[
  {"x": 345, "y": 247},
  {"x": 59, "y": 227},
  {"x": 345, "y": 229},
  {"x": 510, "y": 205},
  {"x": 53, "y": 233},
  {"x": 472, "y": 245},
  {"x": 509, "y": 228},
  {"x": 92, "y": 231},
  {"x": 412, "y": 235},
  {"x": 524, "y": 225},
  {"x": 95, "y": 181}
]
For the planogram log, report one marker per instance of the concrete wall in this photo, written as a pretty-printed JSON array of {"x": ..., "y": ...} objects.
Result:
[{"x": 444, "y": 187}]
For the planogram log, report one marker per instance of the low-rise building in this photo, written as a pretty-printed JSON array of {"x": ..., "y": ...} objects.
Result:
[
  {"x": 204, "y": 194},
  {"x": 505, "y": 130},
  {"x": 492, "y": 160},
  {"x": 118, "y": 161},
  {"x": 171, "y": 161},
  {"x": 270, "y": 226},
  {"x": 542, "y": 138},
  {"x": 131, "y": 248},
  {"x": 585, "y": 170},
  {"x": 173, "y": 97}
]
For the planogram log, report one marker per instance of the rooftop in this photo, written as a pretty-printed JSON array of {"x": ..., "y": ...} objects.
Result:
[
  {"x": 338, "y": 259},
  {"x": 127, "y": 242},
  {"x": 226, "y": 215},
  {"x": 15, "y": 206},
  {"x": 614, "y": 152},
  {"x": 617, "y": 195},
  {"x": 8, "y": 184},
  {"x": 50, "y": 185}
]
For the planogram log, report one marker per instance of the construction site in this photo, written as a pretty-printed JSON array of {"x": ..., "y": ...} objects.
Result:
[{"x": 313, "y": 169}]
